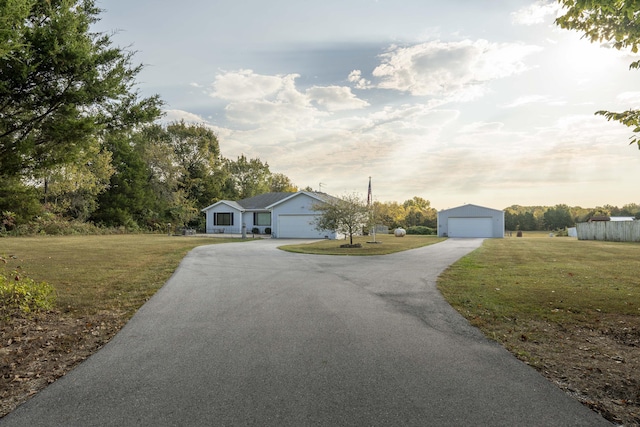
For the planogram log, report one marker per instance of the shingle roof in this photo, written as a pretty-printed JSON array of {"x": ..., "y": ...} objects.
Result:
[{"x": 263, "y": 200}]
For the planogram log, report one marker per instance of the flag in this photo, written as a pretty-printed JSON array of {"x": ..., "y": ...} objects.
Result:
[{"x": 369, "y": 194}]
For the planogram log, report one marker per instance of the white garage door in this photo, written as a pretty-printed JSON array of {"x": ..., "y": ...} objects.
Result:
[
  {"x": 470, "y": 227},
  {"x": 297, "y": 227}
]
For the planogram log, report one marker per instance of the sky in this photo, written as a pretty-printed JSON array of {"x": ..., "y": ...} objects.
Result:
[{"x": 465, "y": 101}]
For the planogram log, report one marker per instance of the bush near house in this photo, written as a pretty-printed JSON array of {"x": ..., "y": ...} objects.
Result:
[{"x": 421, "y": 229}]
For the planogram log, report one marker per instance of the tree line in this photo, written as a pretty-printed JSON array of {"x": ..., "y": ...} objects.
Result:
[{"x": 558, "y": 217}]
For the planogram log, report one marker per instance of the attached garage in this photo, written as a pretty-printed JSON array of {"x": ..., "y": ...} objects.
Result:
[
  {"x": 471, "y": 221},
  {"x": 297, "y": 226},
  {"x": 294, "y": 217}
]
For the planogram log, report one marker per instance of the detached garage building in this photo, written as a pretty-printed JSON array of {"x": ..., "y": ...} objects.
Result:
[{"x": 471, "y": 221}]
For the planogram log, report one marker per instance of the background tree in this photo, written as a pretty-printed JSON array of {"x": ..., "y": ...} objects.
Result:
[
  {"x": 418, "y": 211},
  {"x": 348, "y": 215},
  {"x": 281, "y": 183},
  {"x": 613, "y": 21},
  {"x": 391, "y": 214},
  {"x": 558, "y": 217},
  {"x": 71, "y": 190},
  {"x": 197, "y": 152},
  {"x": 248, "y": 178},
  {"x": 129, "y": 201},
  {"x": 631, "y": 209}
]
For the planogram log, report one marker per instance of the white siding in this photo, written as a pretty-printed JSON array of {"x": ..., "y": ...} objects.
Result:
[{"x": 223, "y": 208}]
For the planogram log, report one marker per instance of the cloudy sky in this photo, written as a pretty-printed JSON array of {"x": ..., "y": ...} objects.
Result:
[{"x": 464, "y": 101}]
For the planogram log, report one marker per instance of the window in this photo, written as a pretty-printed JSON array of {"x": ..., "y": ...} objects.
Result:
[
  {"x": 223, "y": 218},
  {"x": 262, "y": 218}
]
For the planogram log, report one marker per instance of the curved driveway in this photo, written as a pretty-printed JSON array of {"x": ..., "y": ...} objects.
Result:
[{"x": 245, "y": 334}]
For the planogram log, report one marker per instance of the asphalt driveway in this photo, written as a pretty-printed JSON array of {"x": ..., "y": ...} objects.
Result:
[{"x": 246, "y": 334}]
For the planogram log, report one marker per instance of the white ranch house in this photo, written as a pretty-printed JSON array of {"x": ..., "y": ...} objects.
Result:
[{"x": 285, "y": 215}]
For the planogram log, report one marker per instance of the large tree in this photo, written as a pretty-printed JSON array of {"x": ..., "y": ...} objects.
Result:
[
  {"x": 196, "y": 151},
  {"x": 613, "y": 21},
  {"x": 61, "y": 85}
]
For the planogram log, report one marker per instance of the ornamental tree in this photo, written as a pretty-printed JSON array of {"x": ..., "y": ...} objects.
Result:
[{"x": 348, "y": 215}]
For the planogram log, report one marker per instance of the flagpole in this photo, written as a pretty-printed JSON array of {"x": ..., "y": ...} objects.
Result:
[{"x": 372, "y": 216}]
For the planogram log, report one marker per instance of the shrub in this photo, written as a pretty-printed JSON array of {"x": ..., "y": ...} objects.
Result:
[
  {"x": 20, "y": 295},
  {"x": 421, "y": 229},
  {"x": 267, "y": 230},
  {"x": 255, "y": 230}
]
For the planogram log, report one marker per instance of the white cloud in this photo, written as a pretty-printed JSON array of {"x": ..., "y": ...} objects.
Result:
[
  {"x": 536, "y": 13},
  {"x": 482, "y": 127},
  {"x": 532, "y": 99},
  {"x": 171, "y": 116},
  {"x": 336, "y": 98},
  {"x": 177, "y": 115},
  {"x": 449, "y": 69},
  {"x": 629, "y": 99},
  {"x": 246, "y": 85},
  {"x": 360, "y": 82}
]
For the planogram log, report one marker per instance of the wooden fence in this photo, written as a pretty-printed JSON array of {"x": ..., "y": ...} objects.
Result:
[{"x": 613, "y": 231}]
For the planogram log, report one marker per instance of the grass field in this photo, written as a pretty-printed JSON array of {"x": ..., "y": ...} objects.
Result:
[
  {"x": 386, "y": 244},
  {"x": 559, "y": 280},
  {"x": 94, "y": 273}
]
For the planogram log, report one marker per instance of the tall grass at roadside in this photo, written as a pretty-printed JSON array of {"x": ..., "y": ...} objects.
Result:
[{"x": 94, "y": 273}]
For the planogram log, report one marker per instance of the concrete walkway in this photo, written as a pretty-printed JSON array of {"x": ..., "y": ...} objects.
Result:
[{"x": 246, "y": 334}]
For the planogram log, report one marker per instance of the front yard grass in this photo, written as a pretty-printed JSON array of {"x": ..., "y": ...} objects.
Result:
[
  {"x": 94, "y": 273},
  {"x": 386, "y": 244}
]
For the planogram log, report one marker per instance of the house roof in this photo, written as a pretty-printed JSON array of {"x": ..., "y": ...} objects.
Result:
[
  {"x": 262, "y": 201},
  {"x": 322, "y": 197},
  {"x": 229, "y": 203},
  {"x": 267, "y": 200}
]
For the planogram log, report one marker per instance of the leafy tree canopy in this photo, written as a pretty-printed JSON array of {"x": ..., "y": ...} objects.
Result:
[
  {"x": 613, "y": 21},
  {"x": 60, "y": 84},
  {"x": 248, "y": 177}
]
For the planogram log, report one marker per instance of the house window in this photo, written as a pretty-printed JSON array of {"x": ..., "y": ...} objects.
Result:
[
  {"x": 223, "y": 218},
  {"x": 262, "y": 218}
]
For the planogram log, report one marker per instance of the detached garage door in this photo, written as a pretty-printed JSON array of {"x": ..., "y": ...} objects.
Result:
[
  {"x": 297, "y": 227},
  {"x": 470, "y": 227}
]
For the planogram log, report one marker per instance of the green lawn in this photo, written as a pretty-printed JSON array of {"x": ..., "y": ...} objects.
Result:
[
  {"x": 555, "y": 279},
  {"x": 385, "y": 244},
  {"x": 93, "y": 273}
]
